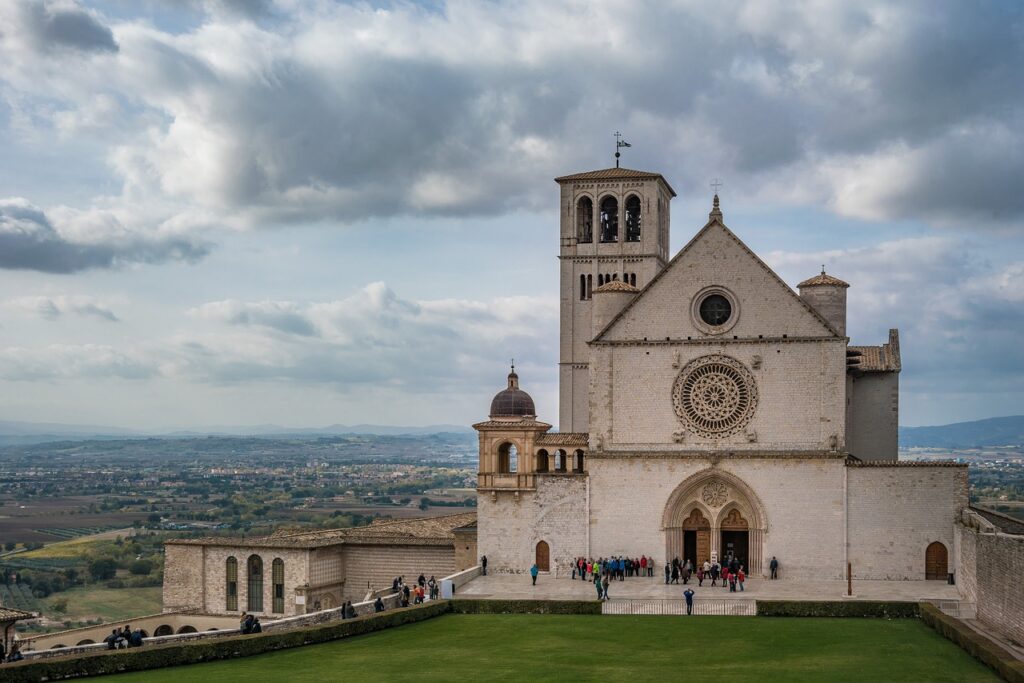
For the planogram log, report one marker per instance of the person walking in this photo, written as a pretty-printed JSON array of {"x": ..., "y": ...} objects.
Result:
[
  {"x": 597, "y": 586},
  {"x": 483, "y": 564},
  {"x": 534, "y": 570},
  {"x": 741, "y": 577},
  {"x": 604, "y": 585},
  {"x": 688, "y": 594},
  {"x": 774, "y": 566},
  {"x": 675, "y": 573},
  {"x": 700, "y": 576},
  {"x": 668, "y": 573}
]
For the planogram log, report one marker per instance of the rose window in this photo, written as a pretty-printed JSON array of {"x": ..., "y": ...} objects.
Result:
[{"x": 715, "y": 396}]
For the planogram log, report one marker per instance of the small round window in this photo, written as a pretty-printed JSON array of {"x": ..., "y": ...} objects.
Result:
[{"x": 715, "y": 310}]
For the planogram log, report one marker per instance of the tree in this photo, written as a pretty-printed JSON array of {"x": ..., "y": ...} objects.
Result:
[
  {"x": 103, "y": 568},
  {"x": 140, "y": 567},
  {"x": 10, "y": 545},
  {"x": 153, "y": 518}
]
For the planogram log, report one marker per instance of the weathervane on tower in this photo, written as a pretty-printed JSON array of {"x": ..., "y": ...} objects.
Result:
[{"x": 619, "y": 143}]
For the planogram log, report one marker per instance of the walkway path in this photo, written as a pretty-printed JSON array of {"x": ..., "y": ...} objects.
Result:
[{"x": 517, "y": 587}]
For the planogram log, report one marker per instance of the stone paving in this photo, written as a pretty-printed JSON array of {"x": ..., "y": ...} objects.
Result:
[{"x": 517, "y": 587}]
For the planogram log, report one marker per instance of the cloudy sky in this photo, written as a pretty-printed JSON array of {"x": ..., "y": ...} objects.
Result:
[{"x": 239, "y": 212}]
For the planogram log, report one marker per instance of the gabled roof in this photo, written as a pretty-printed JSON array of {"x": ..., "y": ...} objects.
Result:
[
  {"x": 715, "y": 219},
  {"x": 564, "y": 439},
  {"x": 615, "y": 174}
]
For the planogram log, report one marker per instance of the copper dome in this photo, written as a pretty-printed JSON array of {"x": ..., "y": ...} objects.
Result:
[{"x": 513, "y": 401}]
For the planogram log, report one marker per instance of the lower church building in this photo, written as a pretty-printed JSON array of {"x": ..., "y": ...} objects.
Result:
[{"x": 707, "y": 410}]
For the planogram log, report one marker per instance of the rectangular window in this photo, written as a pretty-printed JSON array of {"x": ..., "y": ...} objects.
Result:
[
  {"x": 278, "y": 581},
  {"x": 231, "y": 589}
]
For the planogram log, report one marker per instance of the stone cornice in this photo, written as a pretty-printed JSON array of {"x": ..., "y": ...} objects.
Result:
[
  {"x": 905, "y": 463},
  {"x": 715, "y": 341},
  {"x": 716, "y": 455}
]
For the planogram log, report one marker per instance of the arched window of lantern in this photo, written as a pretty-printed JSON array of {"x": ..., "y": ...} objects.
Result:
[
  {"x": 585, "y": 220},
  {"x": 609, "y": 219},
  {"x": 577, "y": 461},
  {"x": 542, "y": 460},
  {"x": 508, "y": 458},
  {"x": 632, "y": 218}
]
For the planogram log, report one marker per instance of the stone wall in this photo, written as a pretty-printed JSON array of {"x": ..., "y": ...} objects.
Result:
[
  {"x": 510, "y": 526},
  {"x": 992, "y": 563},
  {"x": 296, "y": 573},
  {"x": 466, "y": 554},
  {"x": 896, "y": 511},
  {"x": 872, "y": 416},
  {"x": 376, "y": 566},
  {"x": 183, "y": 577},
  {"x": 801, "y": 501}
]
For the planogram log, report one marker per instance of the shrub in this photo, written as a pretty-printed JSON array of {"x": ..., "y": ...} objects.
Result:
[
  {"x": 192, "y": 652},
  {"x": 837, "y": 608},
  {"x": 526, "y": 606},
  {"x": 978, "y": 646},
  {"x": 140, "y": 567}
]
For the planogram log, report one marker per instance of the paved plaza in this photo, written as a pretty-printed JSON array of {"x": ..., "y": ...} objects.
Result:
[{"x": 517, "y": 587}]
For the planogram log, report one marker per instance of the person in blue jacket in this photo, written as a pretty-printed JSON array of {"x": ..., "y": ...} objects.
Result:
[{"x": 533, "y": 573}]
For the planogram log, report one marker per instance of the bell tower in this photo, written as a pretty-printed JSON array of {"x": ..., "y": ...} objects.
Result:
[{"x": 614, "y": 227}]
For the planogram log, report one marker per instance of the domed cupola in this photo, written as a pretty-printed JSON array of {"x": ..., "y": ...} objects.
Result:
[{"x": 513, "y": 401}]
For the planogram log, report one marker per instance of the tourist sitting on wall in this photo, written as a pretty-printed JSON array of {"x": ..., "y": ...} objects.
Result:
[
  {"x": 256, "y": 626},
  {"x": 15, "y": 655},
  {"x": 247, "y": 623},
  {"x": 378, "y": 605},
  {"x": 111, "y": 640},
  {"x": 241, "y": 621},
  {"x": 136, "y": 638},
  {"x": 394, "y": 584}
]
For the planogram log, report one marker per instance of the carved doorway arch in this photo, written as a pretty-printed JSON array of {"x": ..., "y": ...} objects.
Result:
[{"x": 543, "y": 558}]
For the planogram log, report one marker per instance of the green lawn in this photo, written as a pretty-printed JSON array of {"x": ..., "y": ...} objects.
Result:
[{"x": 591, "y": 648}]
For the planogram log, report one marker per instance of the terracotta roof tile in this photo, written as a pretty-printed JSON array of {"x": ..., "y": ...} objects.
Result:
[
  {"x": 419, "y": 531},
  {"x": 616, "y": 286},
  {"x": 823, "y": 279},
  {"x": 8, "y": 614},
  {"x": 564, "y": 439},
  {"x": 615, "y": 174},
  {"x": 884, "y": 358}
]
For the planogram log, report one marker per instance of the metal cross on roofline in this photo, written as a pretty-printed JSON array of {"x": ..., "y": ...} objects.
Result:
[
  {"x": 716, "y": 183},
  {"x": 619, "y": 143}
]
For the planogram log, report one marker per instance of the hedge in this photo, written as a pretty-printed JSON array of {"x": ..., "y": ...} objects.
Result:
[
  {"x": 837, "y": 608},
  {"x": 525, "y": 606},
  {"x": 194, "y": 652},
  {"x": 978, "y": 646}
]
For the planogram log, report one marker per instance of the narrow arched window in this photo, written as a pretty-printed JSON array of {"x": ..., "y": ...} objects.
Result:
[
  {"x": 632, "y": 279},
  {"x": 577, "y": 464},
  {"x": 508, "y": 459},
  {"x": 615, "y": 276},
  {"x": 560, "y": 460},
  {"x": 277, "y": 579},
  {"x": 585, "y": 220},
  {"x": 590, "y": 286},
  {"x": 542, "y": 460},
  {"x": 609, "y": 219},
  {"x": 600, "y": 279},
  {"x": 255, "y": 581},
  {"x": 583, "y": 287},
  {"x": 633, "y": 218},
  {"x": 231, "y": 584}
]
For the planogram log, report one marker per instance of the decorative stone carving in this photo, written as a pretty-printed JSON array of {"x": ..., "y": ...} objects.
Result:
[
  {"x": 715, "y": 396},
  {"x": 715, "y": 493}
]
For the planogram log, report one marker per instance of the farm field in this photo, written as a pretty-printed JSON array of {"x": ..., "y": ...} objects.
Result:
[
  {"x": 108, "y": 604},
  {"x": 603, "y": 648},
  {"x": 57, "y": 519}
]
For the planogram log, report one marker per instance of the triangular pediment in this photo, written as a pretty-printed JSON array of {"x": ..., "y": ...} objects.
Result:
[{"x": 716, "y": 258}]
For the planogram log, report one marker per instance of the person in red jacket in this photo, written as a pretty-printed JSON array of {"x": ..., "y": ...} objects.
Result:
[
  {"x": 643, "y": 565},
  {"x": 741, "y": 577}
]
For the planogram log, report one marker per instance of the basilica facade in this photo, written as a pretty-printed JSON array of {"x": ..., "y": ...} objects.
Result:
[{"x": 706, "y": 409}]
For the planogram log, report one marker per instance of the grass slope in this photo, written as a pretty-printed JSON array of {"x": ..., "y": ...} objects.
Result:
[
  {"x": 587, "y": 648},
  {"x": 109, "y": 604}
]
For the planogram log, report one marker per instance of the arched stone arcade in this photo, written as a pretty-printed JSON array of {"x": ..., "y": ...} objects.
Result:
[{"x": 711, "y": 514}]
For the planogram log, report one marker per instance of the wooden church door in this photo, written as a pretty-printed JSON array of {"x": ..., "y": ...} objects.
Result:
[
  {"x": 936, "y": 562},
  {"x": 543, "y": 557}
]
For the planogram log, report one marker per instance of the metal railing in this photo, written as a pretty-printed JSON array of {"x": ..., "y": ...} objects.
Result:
[{"x": 701, "y": 606}]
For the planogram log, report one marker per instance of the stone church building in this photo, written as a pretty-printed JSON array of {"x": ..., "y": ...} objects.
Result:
[{"x": 707, "y": 409}]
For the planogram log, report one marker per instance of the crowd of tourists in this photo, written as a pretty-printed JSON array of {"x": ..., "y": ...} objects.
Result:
[
  {"x": 422, "y": 590},
  {"x": 604, "y": 570},
  {"x": 729, "y": 571}
]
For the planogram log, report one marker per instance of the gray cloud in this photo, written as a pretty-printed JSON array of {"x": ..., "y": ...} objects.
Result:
[
  {"x": 53, "y": 308},
  {"x": 49, "y": 25},
  {"x": 29, "y": 241}
]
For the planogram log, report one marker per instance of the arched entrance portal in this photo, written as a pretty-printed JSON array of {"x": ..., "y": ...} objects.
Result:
[
  {"x": 735, "y": 538},
  {"x": 543, "y": 557},
  {"x": 936, "y": 562},
  {"x": 711, "y": 514}
]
